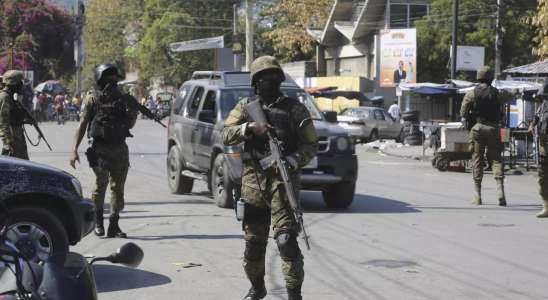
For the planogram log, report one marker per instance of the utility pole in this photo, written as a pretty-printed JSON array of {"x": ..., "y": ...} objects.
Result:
[
  {"x": 249, "y": 35},
  {"x": 454, "y": 43},
  {"x": 498, "y": 39},
  {"x": 237, "y": 66},
  {"x": 78, "y": 46}
]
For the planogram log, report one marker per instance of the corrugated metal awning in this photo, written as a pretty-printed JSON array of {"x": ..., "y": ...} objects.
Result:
[{"x": 536, "y": 68}]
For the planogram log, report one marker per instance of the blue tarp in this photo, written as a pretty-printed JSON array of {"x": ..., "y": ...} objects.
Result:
[{"x": 437, "y": 91}]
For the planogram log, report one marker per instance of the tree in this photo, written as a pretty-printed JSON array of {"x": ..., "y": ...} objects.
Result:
[
  {"x": 176, "y": 22},
  {"x": 39, "y": 33},
  {"x": 290, "y": 37},
  {"x": 476, "y": 28},
  {"x": 539, "y": 19}
]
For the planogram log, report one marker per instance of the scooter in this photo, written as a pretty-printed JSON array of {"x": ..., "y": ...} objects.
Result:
[{"x": 63, "y": 276}]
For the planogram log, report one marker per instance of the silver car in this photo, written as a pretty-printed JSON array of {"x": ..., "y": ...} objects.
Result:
[{"x": 368, "y": 124}]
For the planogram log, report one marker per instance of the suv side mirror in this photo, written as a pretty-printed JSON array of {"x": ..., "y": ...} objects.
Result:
[
  {"x": 330, "y": 116},
  {"x": 207, "y": 116}
]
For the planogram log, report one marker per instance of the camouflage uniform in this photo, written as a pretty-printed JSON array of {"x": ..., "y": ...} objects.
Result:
[
  {"x": 11, "y": 135},
  {"x": 485, "y": 134},
  {"x": 542, "y": 171},
  {"x": 256, "y": 179},
  {"x": 112, "y": 163}
]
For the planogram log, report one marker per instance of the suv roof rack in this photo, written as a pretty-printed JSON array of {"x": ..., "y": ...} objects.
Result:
[{"x": 227, "y": 78}]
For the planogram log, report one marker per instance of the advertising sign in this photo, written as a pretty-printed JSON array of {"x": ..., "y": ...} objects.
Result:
[
  {"x": 469, "y": 58},
  {"x": 398, "y": 56},
  {"x": 207, "y": 43},
  {"x": 236, "y": 45}
]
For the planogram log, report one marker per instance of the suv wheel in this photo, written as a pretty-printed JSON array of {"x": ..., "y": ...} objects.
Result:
[
  {"x": 221, "y": 183},
  {"x": 341, "y": 196},
  {"x": 178, "y": 184},
  {"x": 37, "y": 233}
]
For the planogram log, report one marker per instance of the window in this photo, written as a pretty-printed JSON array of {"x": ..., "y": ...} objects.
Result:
[
  {"x": 180, "y": 100},
  {"x": 405, "y": 15},
  {"x": 387, "y": 116},
  {"x": 194, "y": 103},
  {"x": 378, "y": 115},
  {"x": 210, "y": 102},
  {"x": 346, "y": 112},
  {"x": 362, "y": 113}
]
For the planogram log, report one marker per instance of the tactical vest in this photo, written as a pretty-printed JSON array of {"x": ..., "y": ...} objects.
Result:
[
  {"x": 486, "y": 105},
  {"x": 543, "y": 118},
  {"x": 109, "y": 123},
  {"x": 17, "y": 113},
  {"x": 279, "y": 116}
]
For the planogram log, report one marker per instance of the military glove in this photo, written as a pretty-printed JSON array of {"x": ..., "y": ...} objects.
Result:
[{"x": 259, "y": 129}]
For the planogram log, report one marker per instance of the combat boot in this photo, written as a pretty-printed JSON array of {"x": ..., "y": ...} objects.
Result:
[
  {"x": 502, "y": 197},
  {"x": 294, "y": 293},
  {"x": 544, "y": 212},
  {"x": 113, "y": 228},
  {"x": 99, "y": 223},
  {"x": 477, "y": 195},
  {"x": 257, "y": 292}
]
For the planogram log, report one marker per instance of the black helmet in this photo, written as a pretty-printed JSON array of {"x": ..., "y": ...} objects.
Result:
[{"x": 106, "y": 69}]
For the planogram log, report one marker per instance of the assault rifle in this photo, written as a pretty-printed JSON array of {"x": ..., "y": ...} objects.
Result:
[
  {"x": 537, "y": 147},
  {"x": 131, "y": 102},
  {"x": 32, "y": 122},
  {"x": 255, "y": 111}
]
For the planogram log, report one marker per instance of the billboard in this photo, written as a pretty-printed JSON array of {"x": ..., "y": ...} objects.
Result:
[
  {"x": 207, "y": 43},
  {"x": 398, "y": 56}
]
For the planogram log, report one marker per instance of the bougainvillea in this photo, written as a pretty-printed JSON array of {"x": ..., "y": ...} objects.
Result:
[{"x": 39, "y": 33}]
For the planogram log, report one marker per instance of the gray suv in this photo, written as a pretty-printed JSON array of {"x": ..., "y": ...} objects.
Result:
[{"x": 196, "y": 150}]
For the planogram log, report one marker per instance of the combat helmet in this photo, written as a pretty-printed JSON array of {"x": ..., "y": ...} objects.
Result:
[
  {"x": 106, "y": 69},
  {"x": 12, "y": 77},
  {"x": 262, "y": 64},
  {"x": 485, "y": 73}
]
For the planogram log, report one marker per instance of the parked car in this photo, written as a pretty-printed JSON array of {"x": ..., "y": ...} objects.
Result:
[
  {"x": 48, "y": 210},
  {"x": 368, "y": 124},
  {"x": 196, "y": 151}
]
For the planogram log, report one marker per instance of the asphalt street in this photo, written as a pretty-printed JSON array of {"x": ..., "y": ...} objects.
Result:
[{"x": 411, "y": 233}]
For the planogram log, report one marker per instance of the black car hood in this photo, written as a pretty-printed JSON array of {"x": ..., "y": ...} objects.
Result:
[
  {"x": 328, "y": 129},
  {"x": 19, "y": 176}
]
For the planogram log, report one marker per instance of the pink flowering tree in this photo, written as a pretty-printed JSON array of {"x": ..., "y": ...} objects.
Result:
[{"x": 36, "y": 35}]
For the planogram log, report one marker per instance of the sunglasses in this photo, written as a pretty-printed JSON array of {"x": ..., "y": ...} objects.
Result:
[{"x": 269, "y": 77}]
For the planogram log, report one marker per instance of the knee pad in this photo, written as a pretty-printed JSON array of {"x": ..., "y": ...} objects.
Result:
[
  {"x": 288, "y": 246},
  {"x": 254, "y": 251}
]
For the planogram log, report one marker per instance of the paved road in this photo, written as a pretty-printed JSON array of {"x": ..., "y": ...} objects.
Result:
[{"x": 410, "y": 234}]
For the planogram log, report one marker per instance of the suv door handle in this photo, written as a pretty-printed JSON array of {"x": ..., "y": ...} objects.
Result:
[{"x": 196, "y": 129}]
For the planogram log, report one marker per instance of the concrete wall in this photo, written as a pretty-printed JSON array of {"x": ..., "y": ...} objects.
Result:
[{"x": 300, "y": 69}]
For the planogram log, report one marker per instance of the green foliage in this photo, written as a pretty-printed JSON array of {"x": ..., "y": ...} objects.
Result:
[{"x": 477, "y": 19}]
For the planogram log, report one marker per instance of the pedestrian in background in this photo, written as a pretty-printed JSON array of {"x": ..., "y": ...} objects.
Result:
[
  {"x": 37, "y": 107},
  {"x": 151, "y": 104},
  {"x": 484, "y": 104},
  {"x": 395, "y": 111},
  {"x": 59, "y": 106}
]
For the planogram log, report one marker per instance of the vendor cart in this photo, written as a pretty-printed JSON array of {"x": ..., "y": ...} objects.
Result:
[{"x": 454, "y": 148}]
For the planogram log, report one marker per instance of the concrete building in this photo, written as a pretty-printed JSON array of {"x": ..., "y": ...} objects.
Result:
[{"x": 349, "y": 45}]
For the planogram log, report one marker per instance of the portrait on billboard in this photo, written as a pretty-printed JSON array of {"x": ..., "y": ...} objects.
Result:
[{"x": 398, "y": 56}]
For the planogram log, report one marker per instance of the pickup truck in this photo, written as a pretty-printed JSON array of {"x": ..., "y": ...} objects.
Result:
[{"x": 196, "y": 151}]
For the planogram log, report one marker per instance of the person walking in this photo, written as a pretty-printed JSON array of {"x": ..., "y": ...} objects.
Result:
[
  {"x": 484, "y": 104},
  {"x": 541, "y": 122},
  {"x": 151, "y": 104},
  {"x": 395, "y": 111},
  {"x": 59, "y": 106},
  {"x": 109, "y": 153},
  {"x": 12, "y": 117},
  {"x": 37, "y": 107},
  {"x": 263, "y": 189}
]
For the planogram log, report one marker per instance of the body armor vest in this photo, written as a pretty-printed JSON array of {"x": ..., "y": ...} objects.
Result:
[
  {"x": 486, "y": 105},
  {"x": 279, "y": 117},
  {"x": 110, "y": 121},
  {"x": 543, "y": 118},
  {"x": 17, "y": 113}
]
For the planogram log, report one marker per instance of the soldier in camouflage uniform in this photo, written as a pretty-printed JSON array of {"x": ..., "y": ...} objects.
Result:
[
  {"x": 484, "y": 103},
  {"x": 109, "y": 126},
  {"x": 12, "y": 117},
  {"x": 541, "y": 120},
  {"x": 263, "y": 189}
]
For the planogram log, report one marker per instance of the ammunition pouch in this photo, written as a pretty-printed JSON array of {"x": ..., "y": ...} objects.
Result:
[
  {"x": 92, "y": 160},
  {"x": 255, "y": 215}
]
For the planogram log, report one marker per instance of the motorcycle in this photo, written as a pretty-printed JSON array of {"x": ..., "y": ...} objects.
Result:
[{"x": 63, "y": 276}]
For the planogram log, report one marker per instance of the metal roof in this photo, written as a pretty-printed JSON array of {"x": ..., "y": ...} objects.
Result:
[{"x": 536, "y": 68}]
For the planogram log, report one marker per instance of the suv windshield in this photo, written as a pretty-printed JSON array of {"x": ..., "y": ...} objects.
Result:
[{"x": 231, "y": 97}]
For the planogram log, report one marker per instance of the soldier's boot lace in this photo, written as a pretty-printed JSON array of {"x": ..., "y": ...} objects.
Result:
[
  {"x": 294, "y": 293},
  {"x": 257, "y": 292},
  {"x": 502, "y": 196},
  {"x": 113, "y": 228},
  {"x": 477, "y": 195},
  {"x": 99, "y": 223},
  {"x": 544, "y": 212}
]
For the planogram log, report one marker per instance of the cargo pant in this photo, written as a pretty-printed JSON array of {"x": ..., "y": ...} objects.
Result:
[
  {"x": 258, "y": 222},
  {"x": 113, "y": 166},
  {"x": 19, "y": 144},
  {"x": 543, "y": 168},
  {"x": 486, "y": 135}
]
